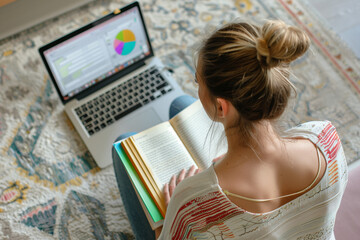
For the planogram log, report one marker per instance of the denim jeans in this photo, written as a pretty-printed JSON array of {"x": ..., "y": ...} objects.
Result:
[{"x": 134, "y": 211}]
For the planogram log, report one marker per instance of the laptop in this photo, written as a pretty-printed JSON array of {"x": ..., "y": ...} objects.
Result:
[{"x": 109, "y": 80}]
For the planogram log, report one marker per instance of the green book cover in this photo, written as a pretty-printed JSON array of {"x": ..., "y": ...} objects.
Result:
[{"x": 140, "y": 188}]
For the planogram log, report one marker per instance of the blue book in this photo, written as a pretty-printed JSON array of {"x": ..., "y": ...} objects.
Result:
[{"x": 151, "y": 211}]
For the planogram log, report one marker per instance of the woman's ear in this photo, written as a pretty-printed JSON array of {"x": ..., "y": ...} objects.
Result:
[{"x": 222, "y": 107}]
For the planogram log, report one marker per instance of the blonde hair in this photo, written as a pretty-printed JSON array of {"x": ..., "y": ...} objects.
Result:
[{"x": 248, "y": 65}]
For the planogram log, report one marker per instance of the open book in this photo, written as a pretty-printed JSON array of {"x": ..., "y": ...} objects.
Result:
[{"x": 154, "y": 155}]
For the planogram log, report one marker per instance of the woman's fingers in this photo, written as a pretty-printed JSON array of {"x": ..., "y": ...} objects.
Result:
[
  {"x": 218, "y": 158},
  {"x": 181, "y": 176},
  {"x": 174, "y": 181},
  {"x": 191, "y": 171},
  {"x": 166, "y": 194},
  {"x": 172, "y": 185}
]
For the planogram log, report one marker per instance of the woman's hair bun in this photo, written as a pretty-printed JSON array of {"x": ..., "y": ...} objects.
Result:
[{"x": 279, "y": 43}]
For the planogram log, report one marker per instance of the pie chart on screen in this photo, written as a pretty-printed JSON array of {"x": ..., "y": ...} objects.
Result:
[{"x": 124, "y": 42}]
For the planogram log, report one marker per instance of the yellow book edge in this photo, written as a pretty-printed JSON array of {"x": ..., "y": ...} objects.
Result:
[
  {"x": 144, "y": 174},
  {"x": 145, "y": 169}
]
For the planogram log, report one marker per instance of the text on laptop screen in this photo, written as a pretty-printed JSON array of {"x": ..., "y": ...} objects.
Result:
[{"x": 98, "y": 53}]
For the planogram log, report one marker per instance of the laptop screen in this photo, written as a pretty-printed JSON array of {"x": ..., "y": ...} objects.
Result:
[{"x": 94, "y": 53}]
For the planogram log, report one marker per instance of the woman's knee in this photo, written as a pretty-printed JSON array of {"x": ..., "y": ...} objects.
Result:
[{"x": 179, "y": 104}]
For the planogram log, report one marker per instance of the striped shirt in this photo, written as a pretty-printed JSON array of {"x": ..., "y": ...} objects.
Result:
[{"x": 199, "y": 209}]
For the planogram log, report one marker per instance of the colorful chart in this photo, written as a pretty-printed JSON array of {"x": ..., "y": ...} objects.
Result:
[{"x": 124, "y": 42}]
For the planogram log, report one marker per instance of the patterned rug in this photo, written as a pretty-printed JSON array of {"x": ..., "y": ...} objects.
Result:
[{"x": 50, "y": 188}]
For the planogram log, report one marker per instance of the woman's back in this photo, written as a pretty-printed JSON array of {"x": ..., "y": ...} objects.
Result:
[
  {"x": 275, "y": 171},
  {"x": 200, "y": 209}
]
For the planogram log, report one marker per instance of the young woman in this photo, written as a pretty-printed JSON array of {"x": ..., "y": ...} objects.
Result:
[{"x": 269, "y": 185}]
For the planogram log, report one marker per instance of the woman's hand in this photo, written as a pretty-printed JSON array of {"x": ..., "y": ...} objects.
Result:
[
  {"x": 169, "y": 188},
  {"x": 174, "y": 181},
  {"x": 218, "y": 158}
]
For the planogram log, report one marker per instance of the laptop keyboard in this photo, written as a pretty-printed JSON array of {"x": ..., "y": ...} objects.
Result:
[{"x": 125, "y": 98}]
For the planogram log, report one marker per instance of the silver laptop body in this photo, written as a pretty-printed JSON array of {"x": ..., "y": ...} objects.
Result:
[{"x": 99, "y": 71}]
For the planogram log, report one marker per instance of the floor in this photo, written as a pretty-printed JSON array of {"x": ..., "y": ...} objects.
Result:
[
  {"x": 347, "y": 225},
  {"x": 343, "y": 17},
  {"x": 11, "y": 23}
]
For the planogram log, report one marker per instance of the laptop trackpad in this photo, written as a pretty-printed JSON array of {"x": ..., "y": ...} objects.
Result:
[{"x": 144, "y": 119}]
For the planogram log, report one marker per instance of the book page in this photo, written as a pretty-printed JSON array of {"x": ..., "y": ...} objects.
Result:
[
  {"x": 163, "y": 152},
  {"x": 202, "y": 137}
]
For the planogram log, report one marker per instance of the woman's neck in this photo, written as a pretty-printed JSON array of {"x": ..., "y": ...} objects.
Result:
[{"x": 266, "y": 143}]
